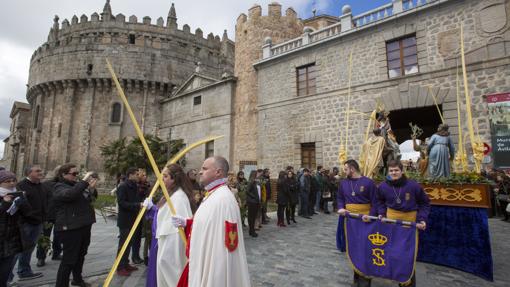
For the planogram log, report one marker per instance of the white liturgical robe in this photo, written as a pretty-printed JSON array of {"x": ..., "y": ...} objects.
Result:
[
  {"x": 211, "y": 264},
  {"x": 171, "y": 257}
]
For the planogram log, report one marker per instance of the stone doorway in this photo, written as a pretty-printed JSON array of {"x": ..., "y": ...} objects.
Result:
[{"x": 427, "y": 118}]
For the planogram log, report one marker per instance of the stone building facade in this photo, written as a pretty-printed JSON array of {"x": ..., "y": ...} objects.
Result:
[
  {"x": 250, "y": 32},
  {"x": 75, "y": 107},
  {"x": 289, "y": 124},
  {"x": 15, "y": 143},
  {"x": 200, "y": 108},
  {"x": 183, "y": 86}
]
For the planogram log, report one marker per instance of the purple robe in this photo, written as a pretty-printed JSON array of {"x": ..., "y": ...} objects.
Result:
[
  {"x": 412, "y": 198},
  {"x": 365, "y": 193},
  {"x": 152, "y": 281}
]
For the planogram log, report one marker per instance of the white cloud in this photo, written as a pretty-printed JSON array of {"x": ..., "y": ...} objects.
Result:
[
  {"x": 24, "y": 26},
  {"x": 29, "y": 21},
  {"x": 323, "y": 5},
  {"x": 14, "y": 64},
  {"x": 14, "y": 61}
]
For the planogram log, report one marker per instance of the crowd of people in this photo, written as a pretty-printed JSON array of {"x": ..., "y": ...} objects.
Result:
[
  {"x": 32, "y": 209},
  {"x": 500, "y": 191},
  {"x": 311, "y": 190}
]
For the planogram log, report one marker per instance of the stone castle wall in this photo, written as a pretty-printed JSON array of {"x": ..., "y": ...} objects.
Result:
[
  {"x": 286, "y": 121},
  {"x": 181, "y": 119},
  {"x": 250, "y": 33},
  {"x": 70, "y": 83}
]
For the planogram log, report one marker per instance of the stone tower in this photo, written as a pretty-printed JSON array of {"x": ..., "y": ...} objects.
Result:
[
  {"x": 75, "y": 107},
  {"x": 251, "y": 31}
]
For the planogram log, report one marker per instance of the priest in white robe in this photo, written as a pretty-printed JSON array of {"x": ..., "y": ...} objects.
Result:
[{"x": 217, "y": 256}]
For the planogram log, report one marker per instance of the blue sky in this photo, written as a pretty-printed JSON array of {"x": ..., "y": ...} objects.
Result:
[{"x": 333, "y": 7}]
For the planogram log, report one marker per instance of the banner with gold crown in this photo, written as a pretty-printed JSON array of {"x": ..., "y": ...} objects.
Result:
[{"x": 383, "y": 250}]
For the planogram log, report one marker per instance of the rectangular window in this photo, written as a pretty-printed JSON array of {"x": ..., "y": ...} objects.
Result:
[
  {"x": 59, "y": 133},
  {"x": 197, "y": 100},
  {"x": 402, "y": 57},
  {"x": 131, "y": 39},
  {"x": 308, "y": 155},
  {"x": 209, "y": 149},
  {"x": 247, "y": 167},
  {"x": 305, "y": 77}
]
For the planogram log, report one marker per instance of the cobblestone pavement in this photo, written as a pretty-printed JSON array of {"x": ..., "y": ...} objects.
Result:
[{"x": 302, "y": 254}]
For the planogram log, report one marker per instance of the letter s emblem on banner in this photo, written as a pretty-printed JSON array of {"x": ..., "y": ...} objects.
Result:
[{"x": 378, "y": 259}]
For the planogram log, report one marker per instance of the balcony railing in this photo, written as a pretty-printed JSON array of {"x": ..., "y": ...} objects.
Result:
[
  {"x": 374, "y": 15},
  {"x": 346, "y": 24}
]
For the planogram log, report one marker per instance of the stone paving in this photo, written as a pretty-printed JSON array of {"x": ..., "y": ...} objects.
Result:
[{"x": 300, "y": 255}]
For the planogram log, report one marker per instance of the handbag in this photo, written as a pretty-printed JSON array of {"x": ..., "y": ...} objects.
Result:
[{"x": 326, "y": 194}]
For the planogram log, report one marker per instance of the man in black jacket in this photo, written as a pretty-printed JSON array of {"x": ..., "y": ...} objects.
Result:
[
  {"x": 304, "y": 193},
  {"x": 129, "y": 205},
  {"x": 37, "y": 197}
]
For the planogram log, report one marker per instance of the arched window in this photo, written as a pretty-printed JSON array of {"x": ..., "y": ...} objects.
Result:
[
  {"x": 116, "y": 113},
  {"x": 36, "y": 117}
]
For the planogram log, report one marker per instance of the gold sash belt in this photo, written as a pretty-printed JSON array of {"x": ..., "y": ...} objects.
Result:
[
  {"x": 401, "y": 215},
  {"x": 363, "y": 208}
]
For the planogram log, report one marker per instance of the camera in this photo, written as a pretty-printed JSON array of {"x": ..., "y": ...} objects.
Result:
[{"x": 15, "y": 194}]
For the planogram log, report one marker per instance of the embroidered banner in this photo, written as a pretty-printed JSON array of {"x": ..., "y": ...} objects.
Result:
[{"x": 383, "y": 250}]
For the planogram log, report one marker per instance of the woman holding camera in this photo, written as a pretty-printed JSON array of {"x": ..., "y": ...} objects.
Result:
[
  {"x": 13, "y": 206},
  {"x": 74, "y": 218}
]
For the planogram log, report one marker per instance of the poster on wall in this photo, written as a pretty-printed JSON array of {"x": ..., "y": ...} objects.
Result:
[{"x": 499, "y": 116}]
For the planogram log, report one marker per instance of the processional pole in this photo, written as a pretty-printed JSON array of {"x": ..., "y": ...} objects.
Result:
[
  {"x": 476, "y": 144},
  {"x": 436, "y": 104},
  {"x": 460, "y": 157}
]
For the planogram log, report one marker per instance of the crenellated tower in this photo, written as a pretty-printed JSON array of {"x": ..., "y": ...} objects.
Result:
[
  {"x": 251, "y": 31},
  {"x": 74, "y": 105}
]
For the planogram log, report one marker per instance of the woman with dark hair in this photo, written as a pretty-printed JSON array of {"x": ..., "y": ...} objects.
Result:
[
  {"x": 197, "y": 189},
  {"x": 171, "y": 256},
  {"x": 253, "y": 201},
  {"x": 440, "y": 151},
  {"x": 74, "y": 216},
  {"x": 282, "y": 198}
]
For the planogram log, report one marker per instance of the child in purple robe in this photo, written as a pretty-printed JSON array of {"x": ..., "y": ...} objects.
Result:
[{"x": 152, "y": 214}]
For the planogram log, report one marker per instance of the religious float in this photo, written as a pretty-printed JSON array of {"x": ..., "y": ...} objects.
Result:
[{"x": 457, "y": 233}]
